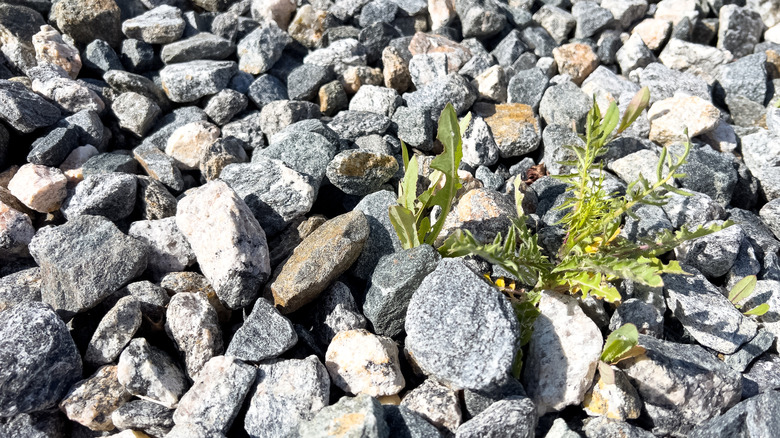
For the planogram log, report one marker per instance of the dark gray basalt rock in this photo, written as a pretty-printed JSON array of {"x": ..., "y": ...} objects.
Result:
[
  {"x": 150, "y": 374},
  {"x": 52, "y": 149},
  {"x": 265, "y": 334},
  {"x": 38, "y": 359},
  {"x": 189, "y": 81},
  {"x": 115, "y": 330},
  {"x": 83, "y": 261},
  {"x": 149, "y": 417},
  {"x": 752, "y": 418},
  {"x": 111, "y": 195},
  {"x": 201, "y": 46},
  {"x": 24, "y": 110},
  {"x": 515, "y": 416},
  {"x": 335, "y": 311}
]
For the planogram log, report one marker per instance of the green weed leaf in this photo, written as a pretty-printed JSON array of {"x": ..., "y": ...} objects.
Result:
[
  {"x": 403, "y": 223},
  {"x": 620, "y": 343},
  {"x": 742, "y": 289}
]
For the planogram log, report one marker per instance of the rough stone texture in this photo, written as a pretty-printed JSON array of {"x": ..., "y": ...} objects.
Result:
[
  {"x": 285, "y": 393},
  {"x": 670, "y": 117},
  {"x": 259, "y": 51},
  {"x": 436, "y": 403},
  {"x": 189, "y": 81},
  {"x": 111, "y": 195},
  {"x": 576, "y": 60},
  {"x": 191, "y": 322},
  {"x": 115, "y": 330},
  {"x": 515, "y": 128},
  {"x": 51, "y": 49},
  {"x": 382, "y": 238},
  {"x": 396, "y": 277},
  {"x": 277, "y": 115},
  {"x": 160, "y": 25},
  {"x": 602, "y": 426},
  {"x": 483, "y": 212},
  {"x": 319, "y": 259},
  {"x": 38, "y": 359},
  {"x": 479, "y": 146},
  {"x": 474, "y": 356},
  {"x": 698, "y": 59},
  {"x": 223, "y": 106},
  {"x": 135, "y": 112},
  {"x": 150, "y": 374},
  {"x": 91, "y": 402},
  {"x": 87, "y": 20},
  {"x": 21, "y": 286},
  {"x": 739, "y": 29},
  {"x": 160, "y": 167},
  {"x": 360, "y": 362},
  {"x": 38, "y": 187},
  {"x": 612, "y": 396},
  {"x": 216, "y": 394},
  {"x": 375, "y": 99},
  {"x": 681, "y": 385},
  {"x": 24, "y": 110},
  {"x": 415, "y": 128},
  {"x": 265, "y": 334},
  {"x": 227, "y": 240},
  {"x": 51, "y": 149},
  {"x": 564, "y": 103},
  {"x": 402, "y": 421},
  {"x": 200, "y": 46},
  {"x": 434, "y": 97},
  {"x": 705, "y": 313},
  {"x": 748, "y": 353},
  {"x": 562, "y": 356},
  {"x": 358, "y": 416},
  {"x": 359, "y": 172},
  {"x": 334, "y": 311},
  {"x": 41, "y": 424},
  {"x": 715, "y": 254},
  {"x": 83, "y": 261},
  {"x": 141, "y": 415},
  {"x": 187, "y": 144},
  {"x": 169, "y": 250},
  {"x": 753, "y": 418},
  {"x": 511, "y": 417},
  {"x": 16, "y": 232}
]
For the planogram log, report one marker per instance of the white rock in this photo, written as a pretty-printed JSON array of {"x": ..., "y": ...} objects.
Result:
[
  {"x": 669, "y": 118},
  {"x": 71, "y": 167},
  {"x": 169, "y": 250},
  {"x": 279, "y": 11},
  {"x": 40, "y": 188},
  {"x": 653, "y": 32},
  {"x": 187, "y": 143},
  {"x": 491, "y": 84},
  {"x": 773, "y": 34},
  {"x": 442, "y": 12},
  {"x": 361, "y": 362},
  {"x": 563, "y": 354},
  {"x": 51, "y": 49},
  {"x": 227, "y": 240}
]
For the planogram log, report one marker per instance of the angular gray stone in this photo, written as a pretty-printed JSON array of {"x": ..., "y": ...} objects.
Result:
[
  {"x": 760, "y": 152},
  {"x": 160, "y": 25},
  {"x": 217, "y": 394},
  {"x": 52, "y": 149},
  {"x": 360, "y": 172},
  {"x": 591, "y": 18},
  {"x": 563, "y": 354},
  {"x": 265, "y": 334},
  {"x": 24, "y": 285},
  {"x": 189, "y": 81},
  {"x": 135, "y": 112},
  {"x": 705, "y": 313},
  {"x": 745, "y": 77},
  {"x": 382, "y": 238},
  {"x": 415, "y": 128},
  {"x": 742, "y": 358},
  {"x": 111, "y": 195},
  {"x": 514, "y": 416},
  {"x": 436, "y": 403},
  {"x": 396, "y": 277},
  {"x": 376, "y": 99},
  {"x": 752, "y": 418},
  {"x": 200, "y": 46},
  {"x": 41, "y": 424},
  {"x": 191, "y": 322},
  {"x": 150, "y": 374},
  {"x": 137, "y": 56},
  {"x": 739, "y": 29},
  {"x": 260, "y": 49},
  {"x": 115, "y": 330},
  {"x": 403, "y": 422},
  {"x": 38, "y": 359},
  {"x": 698, "y": 59},
  {"x": 307, "y": 153},
  {"x": 227, "y": 240},
  {"x": 479, "y": 18},
  {"x": 154, "y": 200},
  {"x": 304, "y": 81},
  {"x": 663, "y": 82},
  {"x": 152, "y": 418},
  {"x": 713, "y": 255},
  {"x": 125, "y": 82},
  {"x": 692, "y": 211},
  {"x": 85, "y": 260},
  {"x": 359, "y": 416},
  {"x": 527, "y": 86},
  {"x": 285, "y": 393},
  {"x": 604, "y": 426},
  {"x": 247, "y": 130},
  {"x": 479, "y": 146},
  {"x": 224, "y": 105},
  {"x": 454, "y": 89},
  {"x": 633, "y": 55},
  {"x": 335, "y": 311},
  {"x": 279, "y": 114},
  {"x": 474, "y": 356},
  {"x": 681, "y": 385},
  {"x": 425, "y": 68},
  {"x": 99, "y": 56},
  {"x": 24, "y": 110},
  {"x": 169, "y": 250},
  {"x": 564, "y": 103}
]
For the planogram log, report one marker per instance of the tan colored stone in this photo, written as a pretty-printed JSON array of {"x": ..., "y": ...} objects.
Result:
[
  {"x": 308, "y": 26},
  {"x": 669, "y": 118},
  {"x": 40, "y": 188},
  {"x": 435, "y": 402},
  {"x": 653, "y": 32},
  {"x": 333, "y": 98},
  {"x": 356, "y": 76},
  {"x": 613, "y": 396},
  {"x": 10, "y": 200},
  {"x": 423, "y": 44},
  {"x": 71, "y": 167},
  {"x": 442, "y": 12},
  {"x": 576, "y": 60},
  {"x": 91, "y": 401},
  {"x": 360, "y": 362},
  {"x": 322, "y": 256},
  {"x": 515, "y": 128},
  {"x": 187, "y": 143},
  {"x": 50, "y": 48},
  {"x": 676, "y": 10},
  {"x": 395, "y": 70}
]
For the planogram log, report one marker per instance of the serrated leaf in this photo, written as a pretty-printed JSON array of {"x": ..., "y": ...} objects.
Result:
[
  {"x": 403, "y": 223},
  {"x": 620, "y": 342},
  {"x": 742, "y": 289},
  {"x": 635, "y": 107},
  {"x": 447, "y": 162},
  {"x": 758, "y": 310}
]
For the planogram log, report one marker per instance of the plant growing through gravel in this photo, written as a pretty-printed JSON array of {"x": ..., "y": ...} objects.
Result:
[{"x": 741, "y": 291}]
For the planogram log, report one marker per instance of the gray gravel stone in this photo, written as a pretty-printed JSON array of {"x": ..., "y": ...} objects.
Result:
[
  {"x": 474, "y": 356},
  {"x": 115, "y": 330},
  {"x": 746, "y": 77},
  {"x": 259, "y": 50},
  {"x": 52, "y": 149},
  {"x": 111, "y": 195},
  {"x": 604, "y": 426},
  {"x": 152, "y": 418},
  {"x": 308, "y": 153},
  {"x": 125, "y": 82},
  {"x": 376, "y": 99},
  {"x": 335, "y": 311},
  {"x": 757, "y": 346},
  {"x": 285, "y": 393},
  {"x": 426, "y": 68},
  {"x": 437, "y": 403},
  {"x": 247, "y": 130},
  {"x": 41, "y": 424},
  {"x": 646, "y": 317},
  {"x": 564, "y": 103},
  {"x": 663, "y": 82},
  {"x": 698, "y": 59},
  {"x": 137, "y": 56},
  {"x": 266, "y": 89},
  {"x": 713, "y": 255},
  {"x": 739, "y": 29},
  {"x": 633, "y": 55},
  {"x": 189, "y": 81},
  {"x": 265, "y": 334},
  {"x": 24, "y": 110},
  {"x": 39, "y": 359},
  {"x": 539, "y": 40},
  {"x": 693, "y": 210},
  {"x": 396, "y": 277},
  {"x": 760, "y": 151},
  {"x": 703, "y": 386},
  {"x": 556, "y": 21},
  {"x": 705, "y": 313},
  {"x": 135, "y": 112},
  {"x": 305, "y": 81},
  {"x": 160, "y": 167},
  {"x": 554, "y": 138},
  {"x": 340, "y": 55},
  {"x": 353, "y": 124},
  {"x": 279, "y": 114},
  {"x": 99, "y": 56},
  {"x": 415, "y": 128},
  {"x": 365, "y": 413},
  {"x": 89, "y": 127},
  {"x": 191, "y": 322},
  {"x": 160, "y": 25},
  {"x": 511, "y": 417},
  {"x": 454, "y": 89},
  {"x": 200, "y": 46},
  {"x": 24, "y": 285},
  {"x": 403, "y": 422},
  {"x": 527, "y": 86},
  {"x": 83, "y": 261},
  {"x": 479, "y": 18},
  {"x": 110, "y": 163},
  {"x": 382, "y": 238},
  {"x": 752, "y": 418},
  {"x": 359, "y": 172},
  {"x": 150, "y": 374},
  {"x": 217, "y": 394},
  {"x": 169, "y": 250},
  {"x": 222, "y": 106},
  {"x": 479, "y": 146},
  {"x": 591, "y": 18},
  {"x": 762, "y": 376},
  {"x": 91, "y": 401}
]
